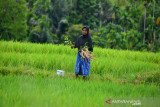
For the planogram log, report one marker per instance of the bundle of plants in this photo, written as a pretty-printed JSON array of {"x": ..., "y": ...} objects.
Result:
[{"x": 85, "y": 53}]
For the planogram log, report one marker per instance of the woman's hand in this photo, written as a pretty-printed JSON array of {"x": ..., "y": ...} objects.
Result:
[{"x": 72, "y": 46}]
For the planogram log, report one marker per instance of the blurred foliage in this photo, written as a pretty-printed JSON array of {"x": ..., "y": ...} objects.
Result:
[
  {"x": 117, "y": 24},
  {"x": 13, "y": 15}
]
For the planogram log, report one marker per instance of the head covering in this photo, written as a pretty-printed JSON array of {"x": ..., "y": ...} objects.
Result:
[
  {"x": 83, "y": 39},
  {"x": 87, "y": 30}
]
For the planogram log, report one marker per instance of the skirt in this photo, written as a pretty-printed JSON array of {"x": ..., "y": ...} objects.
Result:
[{"x": 82, "y": 66}]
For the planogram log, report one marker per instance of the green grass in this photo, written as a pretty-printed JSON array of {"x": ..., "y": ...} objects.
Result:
[
  {"x": 116, "y": 63},
  {"x": 37, "y": 91},
  {"x": 28, "y": 75}
]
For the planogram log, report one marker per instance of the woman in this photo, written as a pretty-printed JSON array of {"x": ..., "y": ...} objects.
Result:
[{"x": 82, "y": 66}]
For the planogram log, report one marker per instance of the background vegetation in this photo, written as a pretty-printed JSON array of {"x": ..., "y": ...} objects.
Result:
[{"x": 116, "y": 24}]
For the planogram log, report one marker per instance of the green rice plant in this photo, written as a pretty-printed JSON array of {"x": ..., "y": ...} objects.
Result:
[
  {"x": 61, "y": 49},
  {"x": 119, "y": 68},
  {"x": 29, "y": 90},
  {"x": 28, "y": 75}
]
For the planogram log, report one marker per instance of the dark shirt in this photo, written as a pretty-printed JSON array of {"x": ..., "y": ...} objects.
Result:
[{"x": 82, "y": 40}]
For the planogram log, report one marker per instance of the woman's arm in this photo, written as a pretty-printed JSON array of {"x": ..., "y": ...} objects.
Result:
[
  {"x": 90, "y": 45},
  {"x": 76, "y": 44}
]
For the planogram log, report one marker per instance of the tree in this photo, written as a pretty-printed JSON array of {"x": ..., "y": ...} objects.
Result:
[
  {"x": 145, "y": 4},
  {"x": 104, "y": 13},
  {"x": 13, "y": 15},
  {"x": 113, "y": 39},
  {"x": 106, "y": 36},
  {"x": 99, "y": 38},
  {"x": 85, "y": 12},
  {"x": 54, "y": 12},
  {"x": 133, "y": 38},
  {"x": 125, "y": 20},
  {"x": 41, "y": 33},
  {"x": 115, "y": 13},
  {"x": 74, "y": 32}
]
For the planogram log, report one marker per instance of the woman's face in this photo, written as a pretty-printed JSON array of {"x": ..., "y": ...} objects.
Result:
[{"x": 84, "y": 31}]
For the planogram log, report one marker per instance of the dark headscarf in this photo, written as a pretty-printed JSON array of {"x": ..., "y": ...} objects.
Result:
[
  {"x": 87, "y": 30},
  {"x": 83, "y": 39}
]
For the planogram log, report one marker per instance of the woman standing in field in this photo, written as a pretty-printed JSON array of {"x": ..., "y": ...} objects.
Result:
[{"x": 82, "y": 66}]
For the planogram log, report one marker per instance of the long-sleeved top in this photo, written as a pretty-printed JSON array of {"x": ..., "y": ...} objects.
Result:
[{"x": 82, "y": 40}]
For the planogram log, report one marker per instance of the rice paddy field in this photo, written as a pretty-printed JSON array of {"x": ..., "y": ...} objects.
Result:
[{"x": 28, "y": 76}]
